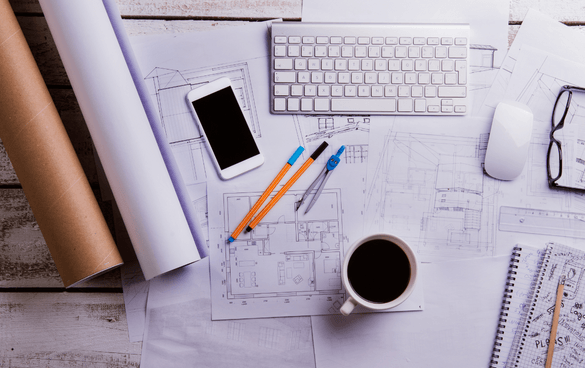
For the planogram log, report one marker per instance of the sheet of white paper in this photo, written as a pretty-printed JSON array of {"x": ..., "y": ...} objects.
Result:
[
  {"x": 488, "y": 20},
  {"x": 426, "y": 184},
  {"x": 135, "y": 289},
  {"x": 290, "y": 264},
  {"x": 179, "y": 331},
  {"x": 540, "y": 31},
  {"x": 456, "y": 329}
]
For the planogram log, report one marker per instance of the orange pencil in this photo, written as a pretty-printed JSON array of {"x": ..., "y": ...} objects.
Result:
[
  {"x": 286, "y": 186},
  {"x": 555, "y": 322},
  {"x": 266, "y": 193}
]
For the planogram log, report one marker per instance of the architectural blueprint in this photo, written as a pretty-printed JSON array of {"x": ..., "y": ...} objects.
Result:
[
  {"x": 428, "y": 184},
  {"x": 291, "y": 262}
]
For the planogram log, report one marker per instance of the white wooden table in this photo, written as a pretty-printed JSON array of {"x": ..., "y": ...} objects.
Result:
[{"x": 40, "y": 323}]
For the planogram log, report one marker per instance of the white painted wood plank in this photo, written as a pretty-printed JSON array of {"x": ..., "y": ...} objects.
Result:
[
  {"x": 563, "y": 10},
  {"x": 25, "y": 260},
  {"x": 65, "y": 330}
]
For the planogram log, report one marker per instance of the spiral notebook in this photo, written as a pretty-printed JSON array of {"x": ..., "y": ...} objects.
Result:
[
  {"x": 525, "y": 264},
  {"x": 526, "y": 339}
]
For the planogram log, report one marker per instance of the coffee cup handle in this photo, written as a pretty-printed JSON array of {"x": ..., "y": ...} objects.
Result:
[{"x": 348, "y": 306}]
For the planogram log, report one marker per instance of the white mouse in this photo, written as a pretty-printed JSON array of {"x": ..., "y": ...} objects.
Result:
[{"x": 509, "y": 140}]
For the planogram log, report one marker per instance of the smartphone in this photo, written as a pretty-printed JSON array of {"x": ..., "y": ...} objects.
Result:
[{"x": 225, "y": 128}]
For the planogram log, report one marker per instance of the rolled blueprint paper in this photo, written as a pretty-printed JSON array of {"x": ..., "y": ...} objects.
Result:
[
  {"x": 122, "y": 135},
  {"x": 47, "y": 167},
  {"x": 155, "y": 124}
]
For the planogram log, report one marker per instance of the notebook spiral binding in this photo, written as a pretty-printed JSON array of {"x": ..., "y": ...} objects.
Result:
[
  {"x": 538, "y": 286},
  {"x": 498, "y": 361}
]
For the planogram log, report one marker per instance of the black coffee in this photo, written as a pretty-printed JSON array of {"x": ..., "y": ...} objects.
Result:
[{"x": 379, "y": 271}]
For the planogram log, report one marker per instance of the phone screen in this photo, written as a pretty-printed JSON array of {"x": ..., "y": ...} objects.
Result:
[{"x": 225, "y": 126}]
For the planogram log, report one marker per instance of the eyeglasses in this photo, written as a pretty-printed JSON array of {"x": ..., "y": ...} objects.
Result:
[{"x": 554, "y": 156}]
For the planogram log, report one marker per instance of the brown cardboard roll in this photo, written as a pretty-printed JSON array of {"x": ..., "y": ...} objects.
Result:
[{"x": 46, "y": 164}]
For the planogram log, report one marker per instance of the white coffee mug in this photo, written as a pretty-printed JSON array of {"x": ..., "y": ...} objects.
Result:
[{"x": 379, "y": 272}]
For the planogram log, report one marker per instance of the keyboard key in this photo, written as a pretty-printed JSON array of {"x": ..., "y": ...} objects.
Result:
[
  {"x": 451, "y": 78},
  {"x": 334, "y": 51},
  {"x": 280, "y": 39},
  {"x": 440, "y": 52},
  {"x": 280, "y": 104},
  {"x": 420, "y": 105},
  {"x": 294, "y": 50},
  {"x": 293, "y": 104},
  {"x": 322, "y": 39},
  {"x": 350, "y": 40},
  {"x": 321, "y": 104},
  {"x": 400, "y": 51},
  {"x": 405, "y": 105},
  {"x": 303, "y": 77},
  {"x": 361, "y": 51},
  {"x": 307, "y": 51},
  {"x": 391, "y": 40},
  {"x": 461, "y": 68},
  {"x": 368, "y": 104},
  {"x": 294, "y": 39},
  {"x": 390, "y": 91},
  {"x": 308, "y": 39},
  {"x": 363, "y": 41},
  {"x": 403, "y": 91},
  {"x": 457, "y": 52},
  {"x": 336, "y": 40},
  {"x": 296, "y": 90},
  {"x": 283, "y": 64},
  {"x": 300, "y": 64},
  {"x": 460, "y": 41},
  {"x": 387, "y": 51},
  {"x": 279, "y": 51},
  {"x": 320, "y": 51},
  {"x": 347, "y": 51},
  {"x": 447, "y": 41},
  {"x": 284, "y": 77},
  {"x": 281, "y": 90},
  {"x": 452, "y": 91},
  {"x": 433, "y": 41},
  {"x": 306, "y": 104}
]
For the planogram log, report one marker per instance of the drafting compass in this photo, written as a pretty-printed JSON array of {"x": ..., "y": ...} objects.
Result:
[{"x": 324, "y": 176}]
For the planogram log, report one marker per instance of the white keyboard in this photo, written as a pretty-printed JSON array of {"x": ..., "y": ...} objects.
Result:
[{"x": 381, "y": 69}]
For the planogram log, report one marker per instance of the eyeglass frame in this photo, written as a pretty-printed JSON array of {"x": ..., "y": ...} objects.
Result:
[{"x": 553, "y": 181}]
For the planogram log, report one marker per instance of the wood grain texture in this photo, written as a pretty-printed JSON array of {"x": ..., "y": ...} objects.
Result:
[
  {"x": 25, "y": 260},
  {"x": 65, "y": 330}
]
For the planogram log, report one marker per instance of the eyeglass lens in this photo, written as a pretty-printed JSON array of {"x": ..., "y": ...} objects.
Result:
[
  {"x": 554, "y": 161},
  {"x": 560, "y": 108}
]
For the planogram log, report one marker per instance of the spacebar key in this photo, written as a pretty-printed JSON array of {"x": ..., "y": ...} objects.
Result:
[{"x": 365, "y": 105}]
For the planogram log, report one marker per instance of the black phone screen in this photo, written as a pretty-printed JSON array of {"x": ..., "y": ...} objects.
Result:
[{"x": 225, "y": 127}]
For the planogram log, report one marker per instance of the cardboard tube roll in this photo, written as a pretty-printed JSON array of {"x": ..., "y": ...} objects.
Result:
[
  {"x": 47, "y": 167},
  {"x": 122, "y": 135}
]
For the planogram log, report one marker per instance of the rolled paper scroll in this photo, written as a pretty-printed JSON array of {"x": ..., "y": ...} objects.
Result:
[
  {"x": 47, "y": 167},
  {"x": 122, "y": 135}
]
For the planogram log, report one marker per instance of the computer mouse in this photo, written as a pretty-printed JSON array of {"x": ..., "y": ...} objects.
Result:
[{"x": 509, "y": 140}]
